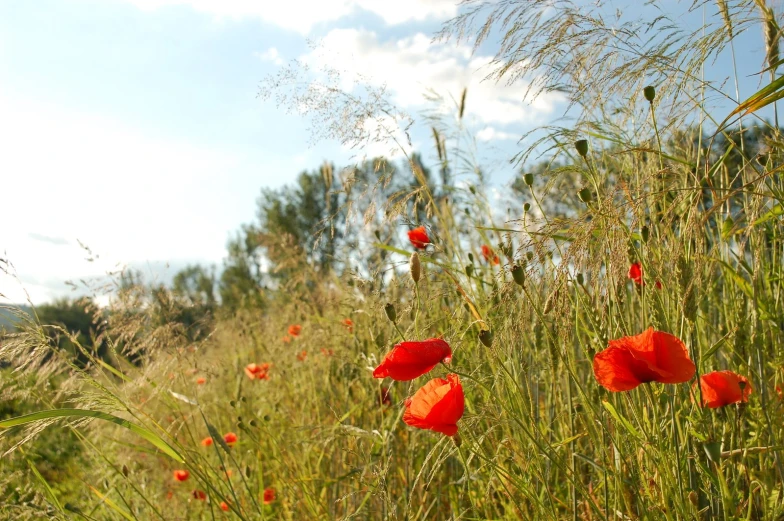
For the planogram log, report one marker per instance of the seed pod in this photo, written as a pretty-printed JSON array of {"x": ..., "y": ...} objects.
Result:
[
  {"x": 645, "y": 233},
  {"x": 582, "y": 147},
  {"x": 518, "y": 274},
  {"x": 580, "y": 279},
  {"x": 528, "y": 179},
  {"x": 650, "y": 93},
  {"x": 527, "y": 207},
  {"x": 486, "y": 337},
  {"x": 415, "y": 267},
  {"x": 389, "y": 309}
]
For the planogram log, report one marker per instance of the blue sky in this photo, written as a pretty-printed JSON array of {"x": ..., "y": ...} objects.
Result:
[{"x": 134, "y": 127}]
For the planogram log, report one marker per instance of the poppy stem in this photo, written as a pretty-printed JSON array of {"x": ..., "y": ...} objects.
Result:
[
  {"x": 399, "y": 332},
  {"x": 676, "y": 441}
]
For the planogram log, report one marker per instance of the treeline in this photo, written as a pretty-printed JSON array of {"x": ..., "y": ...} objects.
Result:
[{"x": 325, "y": 224}]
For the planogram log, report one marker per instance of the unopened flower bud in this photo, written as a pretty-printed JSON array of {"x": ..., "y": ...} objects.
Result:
[
  {"x": 528, "y": 179},
  {"x": 650, "y": 93},
  {"x": 585, "y": 195},
  {"x": 415, "y": 267},
  {"x": 389, "y": 309},
  {"x": 527, "y": 207},
  {"x": 486, "y": 337},
  {"x": 582, "y": 147},
  {"x": 580, "y": 279},
  {"x": 518, "y": 274},
  {"x": 645, "y": 233}
]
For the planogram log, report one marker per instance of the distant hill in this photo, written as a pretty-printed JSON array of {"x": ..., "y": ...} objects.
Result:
[{"x": 8, "y": 319}]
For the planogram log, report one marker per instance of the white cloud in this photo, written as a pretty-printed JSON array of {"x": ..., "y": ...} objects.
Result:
[
  {"x": 130, "y": 197},
  {"x": 270, "y": 55},
  {"x": 408, "y": 67},
  {"x": 302, "y": 15},
  {"x": 492, "y": 134}
]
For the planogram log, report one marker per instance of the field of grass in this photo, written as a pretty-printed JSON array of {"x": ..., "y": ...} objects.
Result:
[{"x": 643, "y": 219}]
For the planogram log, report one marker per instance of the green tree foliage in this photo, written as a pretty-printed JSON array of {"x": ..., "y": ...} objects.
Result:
[{"x": 74, "y": 321}]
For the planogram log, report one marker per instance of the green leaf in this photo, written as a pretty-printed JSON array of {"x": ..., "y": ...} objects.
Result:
[
  {"x": 774, "y": 212},
  {"x": 49, "y": 492},
  {"x": 83, "y": 413},
  {"x": 111, "y": 504},
  {"x": 620, "y": 419}
]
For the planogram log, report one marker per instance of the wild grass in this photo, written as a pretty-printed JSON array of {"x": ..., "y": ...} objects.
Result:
[{"x": 540, "y": 439}]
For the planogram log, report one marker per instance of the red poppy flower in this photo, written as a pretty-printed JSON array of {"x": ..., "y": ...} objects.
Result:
[
  {"x": 269, "y": 495},
  {"x": 636, "y": 274},
  {"x": 181, "y": 475},
  {"x": 348, "y": 324},
  {"x": 409, "y": 360},
  {"x": 201, "y": 381},
  {"x": 437, "y": 406},
  {"x": 230, "y": 438},
  {"x": 419, "y": 238},
  {"x": 224, "y": 506},
  {"x": 199, "y": 494},
  {"x": 651, "y": 356},
  {"x": 721, "y": 388},
  {"x": 489, "y": 256},
  {"x": 256, "y": 371},
  {"x": 206, "y": 442},
  {"x": 295, "y": 330},
  {"x": 302, "y": 356}
]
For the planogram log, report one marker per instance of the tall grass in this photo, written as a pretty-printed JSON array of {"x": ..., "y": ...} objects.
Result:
[{"x": 540, "y": 439}]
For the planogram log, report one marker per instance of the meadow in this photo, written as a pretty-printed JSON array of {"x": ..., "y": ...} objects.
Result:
[{"x": 609, "y": 347}]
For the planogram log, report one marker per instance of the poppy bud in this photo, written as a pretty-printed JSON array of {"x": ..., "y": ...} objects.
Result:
[
  {"x": 247, "y": 471},
  {"x": 125, "y": 470},
  {"x": 389, "y": 309},
  {"x": 645, "y": 233},
  {"x": 528, "y": 179},
  {"x": 486, "y": 337},
  {"x": 580, "y": 279},
  {"x": 378, "y": 235},
  {"x": 650, "y": 93},
  {"x": 467, "y": 212},
  {"x": 469, "y": 270},
  {"x": 415, "y": 267},
  {"x": 585, "y": 195},
  {"x": 518, "y": 274},
  {"x": 582, "y": 147},
  {"x": 713, "y": 450},
  {"x": 527, "y": 207},
  {"x": 472, "y": 189},
  {"x": 471, "y": 257}
]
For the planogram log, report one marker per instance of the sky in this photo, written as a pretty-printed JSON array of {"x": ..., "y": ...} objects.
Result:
[{"x": 132, "y": 133}]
